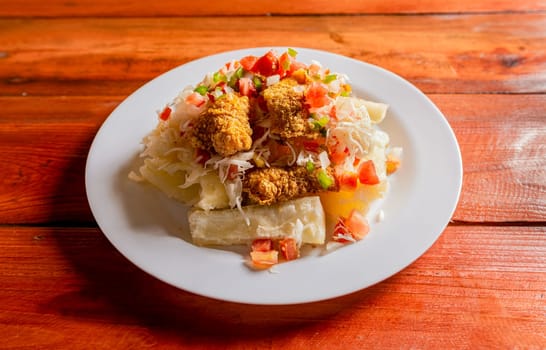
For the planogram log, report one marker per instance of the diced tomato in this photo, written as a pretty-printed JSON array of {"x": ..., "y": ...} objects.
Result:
[
  {"x": 367, "y": 174},
  {"x": 340, "y": 227},
  {"x": 266, "y": 65},
  {"x": 347, "y": 180},
  {"x": 248, "y": 62},
  {"x": 297, "y": 66},
  {"x": 232, "y": 172},
  {"x": 357, "y": 224},
  {"x": 314, "y": 69},
  {"x": 285, "y": 63},
  {"x": 311, "y": 145},
  {"x": 333, "y": 112},
  {"x": 195, "y": 99},
  {"x": 289, "y": 248},
  {"x": 299, "y": 75},
  {"x": 201, "y": 156},
  {"x": 262, "y": 245},
  {"x": 316, "y": 95},
  {"x": 341, "y": 232},
  {"x": 354, "y": 227},
  {"x": 165, "y": 114},
  {"x": 393, "y": 163},
  {"x": 246, "y": 87},
  {"x": 221, "y": 85},
  {"x": 264, "y": 260},
  {"x": 337, "y": 156}
]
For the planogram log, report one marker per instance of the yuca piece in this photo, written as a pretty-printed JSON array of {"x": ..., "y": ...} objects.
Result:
[{"x": 302, "y": 219}]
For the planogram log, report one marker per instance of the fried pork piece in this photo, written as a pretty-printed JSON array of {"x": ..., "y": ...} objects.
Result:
[
  {"x": 286, "y": 110},
  {"x": 267, "y": 186},
  {"x": 224, "y": 127}
]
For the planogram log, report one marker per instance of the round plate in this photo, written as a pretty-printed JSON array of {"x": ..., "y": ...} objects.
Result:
[{"x": 151, "y": 230}]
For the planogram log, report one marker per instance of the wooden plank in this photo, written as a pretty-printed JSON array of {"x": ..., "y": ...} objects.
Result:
[
  {"x": 122, "y": 8},
  {"x": 72, "y": 87},
  {"x": 477, "y": 287},
  {"x": 467, "y": 55},
  {"x": 44, "y": 152},
  {"x": 504, "y": 163}
]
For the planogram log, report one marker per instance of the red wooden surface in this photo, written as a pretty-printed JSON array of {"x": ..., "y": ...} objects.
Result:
[
  {"x": 64, "y": 66},
  {"x": 125, "y": 8},
  {"x": 478, "y": 286}
]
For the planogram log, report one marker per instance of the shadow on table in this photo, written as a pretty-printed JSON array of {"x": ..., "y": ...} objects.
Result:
[
  {"x": 108, "y": 289},
  {"x": 113, "y": 291}
]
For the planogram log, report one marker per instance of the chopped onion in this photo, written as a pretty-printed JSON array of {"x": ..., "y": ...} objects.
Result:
[
  {"x": 324, "y": 160},
  {"x": 395, "y": 152},
  {"x": 271, "y": 80}
]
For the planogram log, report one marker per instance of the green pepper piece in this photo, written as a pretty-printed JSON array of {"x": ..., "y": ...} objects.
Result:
[
  {"x": 235, "y": 78},
  {"x": 202, "y": 90},
  {"x": 310, "y": 166},
  {"x": 218, "y": 77},
  {"x": 324, "y": 179},
  {"x": 329, "y": 78},
  {"x": 292, "y": 52},
  {"x": 257, "y": 82}
]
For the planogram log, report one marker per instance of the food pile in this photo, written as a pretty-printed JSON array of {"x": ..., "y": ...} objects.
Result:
[{"x": 267, "y": 150}]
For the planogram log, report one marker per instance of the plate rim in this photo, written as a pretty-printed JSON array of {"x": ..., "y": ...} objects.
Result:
[{"x": 237, "y": 54}]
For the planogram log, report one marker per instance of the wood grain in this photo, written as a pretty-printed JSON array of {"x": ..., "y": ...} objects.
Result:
[
  {"x": 122, "y": 8},
  {"x": 503, "y": 144},
  {"x": 44, "y": 152},
  {"x": 471, "y": 53},
  {"x": 46, "y": 141},
  {"x": 477, "y": 287},
  {"x": 65, "y": 65}
]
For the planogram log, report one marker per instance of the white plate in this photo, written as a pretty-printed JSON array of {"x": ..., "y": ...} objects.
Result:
[{"x": 151, "y": 231}]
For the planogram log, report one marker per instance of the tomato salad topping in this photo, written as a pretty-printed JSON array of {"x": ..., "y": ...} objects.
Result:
[{"x": 273, "y": 129}]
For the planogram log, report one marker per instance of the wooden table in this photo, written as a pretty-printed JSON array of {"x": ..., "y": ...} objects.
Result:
[{"x": 64, "y": 66}]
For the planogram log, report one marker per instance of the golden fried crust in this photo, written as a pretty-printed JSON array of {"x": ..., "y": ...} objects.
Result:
[
  {"x": 286, "y": 110},
  {"x": 224, "y": 127},
  {"x": 267, "y": 186}
]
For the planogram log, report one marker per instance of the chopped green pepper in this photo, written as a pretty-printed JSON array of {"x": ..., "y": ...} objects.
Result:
[
  {"x": 292, "y": 52},
  {"x": 235, "y": 77},
  {"x": 323, "y": 120},
  {"x": 257, "y": 82},
  {"x": 218, "y": 77},
  {"x": 202, "y": 90},
  {"x": 324, "y": 179},
  {"x": 329, "y": 78},
  {"x": 310, "y": 166},
  {"x": 286, "y": 65},
  {"x": 320, "y": 123}
]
